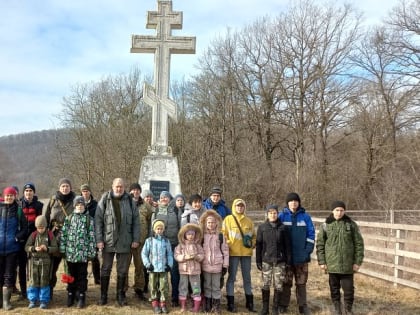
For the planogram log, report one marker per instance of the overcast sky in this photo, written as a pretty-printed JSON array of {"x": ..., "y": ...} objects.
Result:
[{"x": 48, "y": 46}]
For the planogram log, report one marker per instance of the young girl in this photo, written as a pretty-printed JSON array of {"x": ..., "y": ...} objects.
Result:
[
  {"x": 158, "y": 259},
  {"x": 78, "y": 246},
  {"x": 189, "y": 253},
  {"x": 41, "y": 244},
  {"x": 216, "y": 259}
]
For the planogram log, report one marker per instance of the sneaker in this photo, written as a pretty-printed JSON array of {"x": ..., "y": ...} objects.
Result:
[
  {"x": 43, "y": 306},
  {"x": 31, "y": 305}
]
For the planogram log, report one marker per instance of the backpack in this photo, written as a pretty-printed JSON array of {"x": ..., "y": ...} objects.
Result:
[{"x": 50, "y": 236}]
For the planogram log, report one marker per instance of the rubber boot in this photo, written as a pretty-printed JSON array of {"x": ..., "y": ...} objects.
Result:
[
  {"x": 207, "y": 304},
  {"x": 183, "y": 303},
  {"x": 155, "y": 306},
  {"x": 231, "y": 304},
  {"x": 197, "y": 303},
  {"x": 216, "y": 307},
  {"x": 337, "y": 308},
  {"x": 104, "y": 290},
  {"x": 82, "y": 300},
  {"x": 70, "y": 298},
  {"x": 249, "y": 304},
  {"x": 163, "y": 308},
  {"x": 7, "y": 293},
  {"x": 266, "y": 302},
  {"x": 121, "y": 291}
]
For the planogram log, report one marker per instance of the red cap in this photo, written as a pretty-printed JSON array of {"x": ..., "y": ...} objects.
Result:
[{"x": 9, "y": 191}]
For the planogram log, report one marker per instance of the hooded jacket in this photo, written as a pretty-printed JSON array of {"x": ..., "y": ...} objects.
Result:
[
  {"x": 191, "y": 215},
  {"x": 13, "y": 228},
  {"x": 220, "y": 207},
  {"x": 157, "y": 251},
  {"x": 216, "y": 255},
  {"x": 186, "y": 248},
  {"x": 232, "y": 233},
  {"x": 339, "y": 245}
]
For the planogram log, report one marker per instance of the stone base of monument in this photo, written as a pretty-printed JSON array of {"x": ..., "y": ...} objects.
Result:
[{"x": 158, "y": 173}]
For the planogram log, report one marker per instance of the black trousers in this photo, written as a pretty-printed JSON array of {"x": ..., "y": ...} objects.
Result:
[
  {"x": 79, "y": 271},
  {"x": 346, "y": 282},
  {"x": 8, "y": 270}
]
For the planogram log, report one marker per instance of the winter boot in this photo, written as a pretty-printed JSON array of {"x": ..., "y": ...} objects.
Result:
[
  {"x": 277, "y": 309},
  {"x": 183, "y": 303},
  {"x": 337, "y": 308},
  {"x": 7, "y": 293},
  {"x": 266, "y": 302},
  {"x": 70, "y": 298},
  {"x": 163, "y": 308},
  {"x": 249, "y": 304},
  {"x": 231, "y": 304},
  {"x": 120, "y": 290},
  {"x": 216, "y": 307},
  {"x": 304, "y": 310},
  {"x": 155, "y": 305},
  {"x": 104, "y": 290},
  {"x": 207, "y": 304},
  {"x": 197, "y": 303},
  {"x": 82, "y": 300}
]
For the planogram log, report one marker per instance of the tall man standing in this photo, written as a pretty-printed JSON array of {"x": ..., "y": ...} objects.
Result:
[
  {"x": 117, "y": 229},
  {"x": 302, "y": 236}
]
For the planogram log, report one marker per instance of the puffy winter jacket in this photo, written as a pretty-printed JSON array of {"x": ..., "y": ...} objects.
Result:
[
  {"x": 185, "y": 248},
  {"x": 13, "y": 228},
  {"x": 157, "y": 251}
]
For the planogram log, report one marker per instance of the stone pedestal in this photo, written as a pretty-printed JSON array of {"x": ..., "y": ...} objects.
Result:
[{"x": 157, "y": 172}]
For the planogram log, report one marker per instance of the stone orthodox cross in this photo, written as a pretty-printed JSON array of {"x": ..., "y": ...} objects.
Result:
[{"x": 162, "y": 45}]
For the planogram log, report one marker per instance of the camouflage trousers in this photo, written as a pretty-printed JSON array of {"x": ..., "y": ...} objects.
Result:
[
  {"x": 273, "y": 272},
  {"x": 39, "y": 272}
]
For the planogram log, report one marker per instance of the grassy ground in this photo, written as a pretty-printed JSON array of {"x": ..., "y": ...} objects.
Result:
[{"x": 373, "y": 297}]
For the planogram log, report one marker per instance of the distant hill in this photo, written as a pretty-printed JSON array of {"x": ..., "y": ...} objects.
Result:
[{"x": 29, "y": 157}]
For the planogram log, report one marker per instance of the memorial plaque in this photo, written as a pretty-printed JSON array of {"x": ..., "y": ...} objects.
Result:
[{"x": 157, "y": 186}]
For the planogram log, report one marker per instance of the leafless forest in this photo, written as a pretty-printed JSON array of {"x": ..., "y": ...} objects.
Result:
[{"x": 308, "y": 100}]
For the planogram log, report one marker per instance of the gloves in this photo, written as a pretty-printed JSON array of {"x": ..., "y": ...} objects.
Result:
[
  {"x": 224, "y": 271},
  {"x": 167, "y": 268},
  {"x": 259, "y": 266},
  {"x": 150, "y": 268}
]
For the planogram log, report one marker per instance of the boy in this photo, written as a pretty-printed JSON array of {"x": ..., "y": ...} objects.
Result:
[
  {"x": 158, "y": 259},
  {"x": 41, "y": 244},
  {"x": 216, "y": 259},
  {"x": 273, "y": 253},
  {"x": 340, "y": 252},
  {"x": 78, "y": 246}
]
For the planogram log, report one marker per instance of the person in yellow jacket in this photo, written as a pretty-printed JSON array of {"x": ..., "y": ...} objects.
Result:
[{"x": 239, "y": 232}]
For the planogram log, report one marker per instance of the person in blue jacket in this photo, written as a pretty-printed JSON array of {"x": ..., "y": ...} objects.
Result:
[
  {"x": 302, "y": 235},
  {"x": 215, "y": 202}
]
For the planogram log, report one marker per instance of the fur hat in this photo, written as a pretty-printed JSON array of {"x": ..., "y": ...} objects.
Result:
[
  {"x": 85, "y": 187},
  {"x": 338, "y": 204},
  {"x": 292, "y": 197},
  {"x": 9, "y": 191},
  {"x": 157, "y": 223},
  {"x": 29, "y": 185},
  {"x": 135, "y": 186},
  {"x": 41, "y": 221},
  {"x": 77, "y": 200},
  {"x": 64, "y": 180}
]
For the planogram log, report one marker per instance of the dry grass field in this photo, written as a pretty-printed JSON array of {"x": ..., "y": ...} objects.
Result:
[{"x": 373, "y": 297}]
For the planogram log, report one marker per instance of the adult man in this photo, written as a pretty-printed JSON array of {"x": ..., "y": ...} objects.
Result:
[
  {"x": 90, "y": 206},
  {"x": 31, "y": 208},
  {"x": 216, "y": 202},
  {"x": 117, "y": 229},
  {"x": 302, "y": 236}
]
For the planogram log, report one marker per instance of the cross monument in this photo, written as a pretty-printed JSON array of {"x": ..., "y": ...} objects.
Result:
[{"x": 159, "y": 169}]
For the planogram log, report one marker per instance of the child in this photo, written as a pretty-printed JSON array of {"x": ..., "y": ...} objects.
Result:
[
  {"x": 273, "y": 252},
  {"x": 216, "y": 259},
  {"x": 158, "y": 259},
  {"x": 78, "y": 246},
  {"x": 189, "y": 254},
  {"x": 193, "y": 210},
  {"x": 41, "y": 244},
  {"x": 340, "y": 252}
]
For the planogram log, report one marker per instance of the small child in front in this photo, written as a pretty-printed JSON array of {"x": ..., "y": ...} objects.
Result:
[
  {"x": 41, "y": 244},
  {"x": 78, "y": 247},
  {"x": 189, "y": 254},
  {"x": 158, "y": 259}
]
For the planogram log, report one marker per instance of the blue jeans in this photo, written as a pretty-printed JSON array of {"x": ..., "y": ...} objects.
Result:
[{"x": 246, "y": 274}]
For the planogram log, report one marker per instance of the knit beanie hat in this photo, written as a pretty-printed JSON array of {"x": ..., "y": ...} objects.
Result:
[
  {"x": 135, "y": 186},
  {"x": 77, "y": 200},
  {"x": 157, "y": 223},
  {"x": 41, "y": 221},
  {"x": 165, "y": 193},
  {"x": 64, "y": 181},
  {"x": 216, "y": 190},
  {"x": 292, "y": 197},
  {"x": 147, "y": 193},
  {"x": 338, "y": 204},
  {"x": 194, "y": 197},
  {"x": 29, "y": 185},
  {"x": 85, "y": 187},
  {"x": 9, "y": 191},
  {"x": 272, "y": 207}
]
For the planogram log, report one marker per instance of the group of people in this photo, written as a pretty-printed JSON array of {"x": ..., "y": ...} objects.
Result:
[{"x": 193, "y": 242}]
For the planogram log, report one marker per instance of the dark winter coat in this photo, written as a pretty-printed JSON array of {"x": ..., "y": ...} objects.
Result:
[
  {"x": 13, "y": 228},
  {"x": 31, "y": 210}
]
